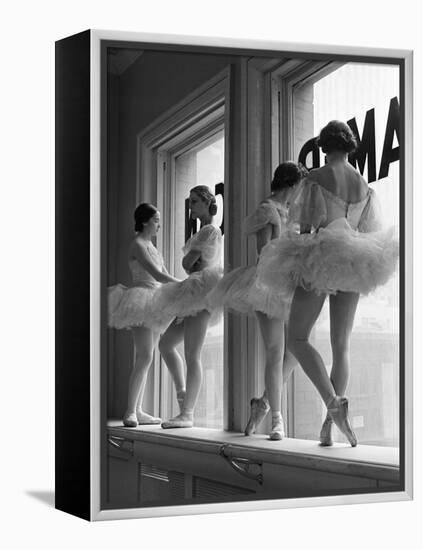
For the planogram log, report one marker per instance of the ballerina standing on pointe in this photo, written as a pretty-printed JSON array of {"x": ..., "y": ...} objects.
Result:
[
  {"x": 186, "y": 302},
  {"x": 133, "y": 308},
  {"x": 342, "y": 251},
  {"x": 238, "y": 291}
]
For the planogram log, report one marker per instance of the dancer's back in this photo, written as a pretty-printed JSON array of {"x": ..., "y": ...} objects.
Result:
[{"x": 343, "y": 191}]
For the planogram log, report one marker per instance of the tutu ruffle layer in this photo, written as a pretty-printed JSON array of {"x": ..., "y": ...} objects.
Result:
[
  {"x": 240, "y": 291},
  {"x": 336, "y": 258},
  {"x": 134, "y": 307},
  {"x": 188, "y": 297}
]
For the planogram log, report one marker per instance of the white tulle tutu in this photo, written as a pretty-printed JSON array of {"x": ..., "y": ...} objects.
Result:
[
  {"x": 336, "y": 258},
  {"x": 188, "y": 297},
  {"x": 239, "y": 291},
  {"x": 134, "y": 307}
]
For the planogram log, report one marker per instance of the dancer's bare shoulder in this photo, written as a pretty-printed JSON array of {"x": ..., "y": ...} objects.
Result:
[{"x": 342, "y": 180}]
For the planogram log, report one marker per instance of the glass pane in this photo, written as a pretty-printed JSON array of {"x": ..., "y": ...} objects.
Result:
[
  {"x": 359, "y": 92},
  {"x": 202, "y": 165}
]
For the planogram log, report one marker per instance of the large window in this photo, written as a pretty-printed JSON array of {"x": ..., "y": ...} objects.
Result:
[
  {"x": 361, "y": 95},
  {"x": 286, "y": 104},
  {"x": 185, "y": 147}
]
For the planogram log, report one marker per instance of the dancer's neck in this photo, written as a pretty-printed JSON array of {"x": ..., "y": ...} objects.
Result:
[
  {"x": 206, "y": 220},
  {"x": 145, "y": 237},
  {"x": 337, "y": 157},
  {"x": 282, "y": 196}
]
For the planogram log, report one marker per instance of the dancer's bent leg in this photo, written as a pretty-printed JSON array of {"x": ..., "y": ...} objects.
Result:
[
  {"x": 195, "y": 330},
  {"x": 342, "y": 307},
  {"x": 272, "y": 331},
  {"x": 167, "y": 346},
  {"x": 289, "y": 360},
  {"x": 305, "y": 310}
]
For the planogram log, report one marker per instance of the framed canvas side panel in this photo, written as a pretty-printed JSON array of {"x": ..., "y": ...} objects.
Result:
[
  {"x": 72, "y": 382},
  {"x": 407, "y": 273}
]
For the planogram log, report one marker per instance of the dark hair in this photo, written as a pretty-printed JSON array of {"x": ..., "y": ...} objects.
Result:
[
  {"x": 286, "y": 175},
  {"x": 337, "y": 136},
  {"x": 206, "y": 194},
  {"x": 143, "y": 213}
]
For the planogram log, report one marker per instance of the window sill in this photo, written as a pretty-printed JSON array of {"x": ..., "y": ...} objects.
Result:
[{"x": 364, "y": 461}]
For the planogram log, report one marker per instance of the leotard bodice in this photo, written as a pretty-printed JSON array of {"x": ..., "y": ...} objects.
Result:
[
  {"x": 268, "y": 212},
  {"x": 140, "y": 276},
  {"x": 315, "y": 206},
  {"x": 207, "y": 241}
]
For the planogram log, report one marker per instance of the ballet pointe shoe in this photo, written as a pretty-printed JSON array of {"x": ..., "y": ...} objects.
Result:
[
  {"x": 326, "y": 432},
  {"x": 277, "y": 433},
  {"x": 146, "y": 419},
  {"x": 130, "y": 420},
  {"x": 338, "y": 411},
  {"x": 259, "y": 408},
  {"x": 183, "y": 420}
]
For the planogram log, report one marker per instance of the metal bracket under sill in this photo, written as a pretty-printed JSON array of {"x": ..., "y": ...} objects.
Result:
[{"x": 244, "y": 466}]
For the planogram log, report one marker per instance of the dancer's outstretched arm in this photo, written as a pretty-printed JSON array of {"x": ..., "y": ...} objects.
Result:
[{"x": 143, "y": 256}]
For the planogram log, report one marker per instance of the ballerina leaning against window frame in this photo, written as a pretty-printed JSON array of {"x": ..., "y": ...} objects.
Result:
[{"x": 186, "y": 302}]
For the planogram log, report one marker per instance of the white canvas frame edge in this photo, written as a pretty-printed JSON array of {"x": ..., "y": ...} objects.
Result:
[{"x": 95, "y": 245}]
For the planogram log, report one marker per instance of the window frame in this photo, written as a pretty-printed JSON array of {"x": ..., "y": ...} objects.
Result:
[
  {"x": 202, "y": 113},
  {"x": 269, "y": 114},
  {"x": 166, "y": 159}
]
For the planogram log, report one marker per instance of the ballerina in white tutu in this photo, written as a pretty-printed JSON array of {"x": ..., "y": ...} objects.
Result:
[
  {"x": 238, "y": 291},
  {"x": 342, "y": 251},
  {"x": 133, "y": 308},
  {"x": 186, "y": 301}
]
